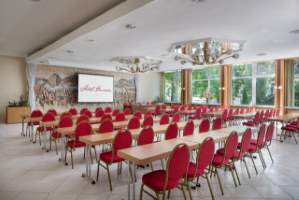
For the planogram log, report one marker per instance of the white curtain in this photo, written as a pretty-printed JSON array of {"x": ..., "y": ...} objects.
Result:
[{"x": 31, "y": 74}]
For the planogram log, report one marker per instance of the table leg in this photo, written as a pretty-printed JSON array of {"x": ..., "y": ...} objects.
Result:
[
  {"x": 44, "y": 139},
  {"x": 129, "y": 180},
  {"x": 63, "y": 141},
  {"x": 88, "y": 165},
  {"x": 23, "y": 121},
  {"x": 134, "y": 181}
]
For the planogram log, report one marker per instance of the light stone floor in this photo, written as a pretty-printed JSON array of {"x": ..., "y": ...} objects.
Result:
[{"x": 28, "y": 173}]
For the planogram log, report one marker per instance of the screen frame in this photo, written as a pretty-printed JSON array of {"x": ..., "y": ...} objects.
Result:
[{"x": 94, "y": 102}]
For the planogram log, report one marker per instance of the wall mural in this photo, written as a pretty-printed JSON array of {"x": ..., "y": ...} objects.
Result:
[{"x": 56, "y": 87}]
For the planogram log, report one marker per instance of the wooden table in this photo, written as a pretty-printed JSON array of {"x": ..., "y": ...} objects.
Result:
[
  {"x": 244, "y": 116},
  {"x": 213, "y": 114},
  {"x": 143, "y": 155}
]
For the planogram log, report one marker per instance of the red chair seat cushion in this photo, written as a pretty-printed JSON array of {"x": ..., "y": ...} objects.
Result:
[
  {"x": 108, "y": 158},
  {"x": 249, "y": 123},
  {"x": 156, "y": 179},
  {"x": 217, "y": 160},
  {"x": 253, "y": 141},
  {"x": 41, "y": 129},
  {"x": 252, "y": 148},
  {"x": 220, "y": 151},
  {"x": 75, "y": 144},
  {"x": 192, "y": 170},
  {"x": 289, "y": 128},
  {"x": 237, "y": 154},
  {"x": 56, "y": 135}
]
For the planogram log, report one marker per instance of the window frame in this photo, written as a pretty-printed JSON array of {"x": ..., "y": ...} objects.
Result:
[{"x": 180, "y": 98}]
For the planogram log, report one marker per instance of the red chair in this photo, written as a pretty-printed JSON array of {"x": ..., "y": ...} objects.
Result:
[
  {"x": 83, "y": 110},
  {"x": 148, "y": 121},
  {"x": 189, "y": 128},
  {"x": 106, "y": 126},
  {"x": 120, "y": 117},
  {"x": 66, "y": 114},
  {"x": 257, "y": 145},
  {"x": 138, "y": 115},
  {"x": 197, "y": 115},
  {"x": 172, "y": 131},
  {"x": 82, "y": 129},
  {"x": 253, "y": 122},
  {"x": 201, "y": 167},
  {"x": 148, "y": 114},
  {"x": 157, "y": 110},
  {"x": 98, "y": 109},
  {"x": 217, "y": 123},
  {"x": 108, "y": 109},
  {"x": 204, "y": 126},
  {"x": 53, "y": 112},
  {"x": 290, "y": 129},
  {"x": 146, "y": 136},
  {"x": 122, "y": 140},
  {"x": 226, "y": 160},
  {"x": 82, "y": 118},
  {"x": 30, "y": 125},
  {"x": 64, "y": 122},
  {"x": 268, "y": 138},
  {"x": 161, "y": 181},
  {"x": 115, "y": 112},
  {"x": 225, "y": 116},
  {"x": 164, "y": 119},
  {"x": 127, "y": 111},
  {"x": 99, "y": 113},
  {"x": 134, "y": 123},
  {"x": 106, "y": 116},
  {"x": 73, "y": 111},
  {"x": 88, "y": 113},
  {"x": 176, "y": 117},
  {"x": 48, "y": 117}
]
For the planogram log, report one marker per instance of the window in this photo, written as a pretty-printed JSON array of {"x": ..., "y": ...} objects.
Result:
[
  {"x": 242, "y": 85},
  {"x": 206, "y": 82},
  {"x": 296, "y": 83},
  {"x": 292, "y": 83},
  {"x": 172, "y": 87},
  {"x": 253, "y": 84}
]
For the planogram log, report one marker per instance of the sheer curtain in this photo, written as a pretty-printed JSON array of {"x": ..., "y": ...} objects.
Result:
[{"x": 31, "y": 74}]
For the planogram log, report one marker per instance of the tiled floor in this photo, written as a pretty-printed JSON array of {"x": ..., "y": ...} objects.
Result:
[{"x": 28, "y": 173}]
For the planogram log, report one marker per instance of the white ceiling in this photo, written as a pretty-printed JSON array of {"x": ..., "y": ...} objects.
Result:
[
  {"x": 26, "y": 26},
  {"x": 263, "y": 24}
]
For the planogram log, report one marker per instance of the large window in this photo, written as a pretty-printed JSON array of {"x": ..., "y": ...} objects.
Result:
[
  {"x": 292, "y": 83},
  {"x": 296, "y": 83},
  {"x": 253, "y": 84},
  {"x": 172, "y": 86},
  {"x": 206, "y": 83}
]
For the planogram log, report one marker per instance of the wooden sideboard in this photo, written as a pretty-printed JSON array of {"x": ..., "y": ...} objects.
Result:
[{"x": 15, "y": 114}]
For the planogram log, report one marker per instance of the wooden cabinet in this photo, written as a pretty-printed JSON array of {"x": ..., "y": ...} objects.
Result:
[{"x": 15, "y": 114}]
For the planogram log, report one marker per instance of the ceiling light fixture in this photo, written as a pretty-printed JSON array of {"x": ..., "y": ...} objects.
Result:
[
  {"x": 296, "y": 31},
  {"x": 35, "y": 1},
  {"x": 137, "y": 64},
  {"x": 130, "y": 26},
  {"x": 261, "y": 54},
  {"x": 90, "y": 40},
  {"x": 70, "y": 51},
  {"x": 206, "y": 51}
]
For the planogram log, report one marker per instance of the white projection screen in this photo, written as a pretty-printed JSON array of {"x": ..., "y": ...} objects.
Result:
[{"x": 95, "y": 88}]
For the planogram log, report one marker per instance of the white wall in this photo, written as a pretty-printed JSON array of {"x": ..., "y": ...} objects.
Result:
[{"x": 148, "y": 86}]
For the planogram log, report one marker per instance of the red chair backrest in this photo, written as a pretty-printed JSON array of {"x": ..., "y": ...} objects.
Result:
[
  {"x": 106, "y": 126},
  {"x": 149, "y": 121},
  {"x": 261, "y": 136},
  {"x": 138, "y": 115},
  {"x": 36, "y": 113},
  {"x": 134, "y": 123},
  {"x": 99, "y": 113},
  {"x": 83, "y": 128},
  {"x": 205, "y": 154},
  {"x": 158, "y": 110},
  {"x": 98, "y": 109},
  {"x": 83, "y": 110},
  {"x": 242, "y": 111},
  {"x": 82, "y": 118},
  {"x": 115, "y": 112},
  {"x": 198, "y": 113},
  {"x": 66, "y": 114},
  {"x": 237, "y": 111},
  {"x": 146, "y": 136},
  {"x": 230, "y": 114},
  {"x": 189, "y": 128},
  {"x": 176, "y": 117},
  {"x": 148, "y": 114},
  {"x": 73, "y": 111},
  {"x": 88, "y": 113},
  {"x": 256, "y": 119},
  {"x": 231, "y": 145},
  {"x": 120, "y": 117},
  {"x": 269, "y": 133},
  {"x": 65, "y": 121},
  {"x": 122, "y": 140},
  {"x": 53, "y": 111},
  {"x": 164, "y": 119},
  {"x": 217, "y": 123},
  {"x": 127, "y": 111},
  {"x": 225, "y": 115},
  {"x": 106, "y": 116},
  {"x": 108, "y": 109},
  {"x": 48, "y": 117},
  {"x": 204, "y": 126},
  {"x": 245, "y": 143},
  {"x": 177, "y": 163},
  {"x": 172, "y": 131}
]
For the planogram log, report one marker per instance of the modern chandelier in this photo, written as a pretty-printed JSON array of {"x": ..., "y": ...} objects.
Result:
[
  {"x": 136, "y": 64},
  {"x": 206, "y": 51}
]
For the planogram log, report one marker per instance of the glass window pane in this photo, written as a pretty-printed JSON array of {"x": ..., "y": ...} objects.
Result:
[
  {"x": 242, "y": 92},
  {"x": 265, "y": 91},
  {"x": 199, "y": 74},
  {"x": 214, "y": 72},
  {"x": 242, "y": 70},
  {"x": 296, "y": 87},
  {"x": 214, "y": 92},
  {"x": 199, "y": 88},
  {"x": 172, "y": 87},
  {"x": 297, "y": 67},
  {"x": 265, "y": 68}
]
